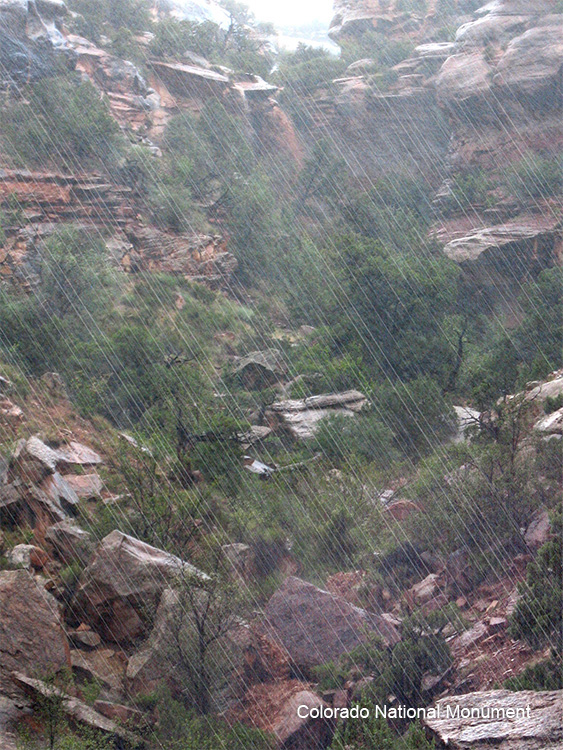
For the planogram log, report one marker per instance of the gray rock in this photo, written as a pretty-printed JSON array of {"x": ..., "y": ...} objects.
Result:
[
  {"x": 538, "y": 530},
  {"x": 302, "y": 416},
  {"x": 31, "y": 635},
  {"x": 298, "y": 733},
  {"x": 32, "y": 45},
  {"x": 70, "y": 542},
  {"x": 120, "y": 589},
  {"x": 525, "y": 720},
  {"x": 314, "y": 626},
  {"x": 77, "y": 710}
]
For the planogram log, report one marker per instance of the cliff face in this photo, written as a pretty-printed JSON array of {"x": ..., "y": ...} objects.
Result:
[
  {"x": 490, "y": 99},
  {"x": 502, "y": 89},
  {"x": 32, "y": 44}
]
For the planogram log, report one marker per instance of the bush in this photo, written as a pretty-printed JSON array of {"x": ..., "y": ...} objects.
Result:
[
  {"x": 173, "y": 38},
  {"x": 86, "y": 134},
  {"x": 97, "y": 17},
  {"x": 537, "y": 177},
  {"x": 546, "y": 675},
  {"x": 341, "y": 438},
  {"x": 538, "y": 616}
]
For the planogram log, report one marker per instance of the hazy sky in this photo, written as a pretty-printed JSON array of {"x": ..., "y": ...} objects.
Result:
[{"x": 294, "y": 12}]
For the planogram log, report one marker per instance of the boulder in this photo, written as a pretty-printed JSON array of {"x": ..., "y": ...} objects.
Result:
[
  {"x": 524, "y": 720},
  {"x": 502, "y": 239},
  {"x": 33, "y": 461},
  {"x": 551, "y": 424},
  {"x": 260, "y": 369},
  {"x": 69, "y": 542},
  {"x": 426, "y": 590},
  {"x": 27, "y": 556},
  {"x": 301, "y": 417},
  {"x": 31, "y": 635},
  {"x": 85, "y": 486},
  {"x": 538, "y": 530},
  {"x": 156, "y": 660},
  {"x": 240, "y": 557},
  {"x": 315, "y": 626},
  {"x": 120, "y": 589},
  {"x": 60, "y": 492},
  {"x": 75, "y": 454},
  {"x": 85, "y": 639},
  {"x": 160, "y": 657},
  {"x": 469, "y": 638},
  {"x": 298, "y": 733},
  {"x": 102, "y": 665}
]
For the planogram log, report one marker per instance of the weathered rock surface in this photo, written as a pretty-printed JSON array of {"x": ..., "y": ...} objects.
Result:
[
  {"x": 542, "y": 235},
  {"x": 302, "y": 734},
  {"x": 102, "y": 665},
  {"x": 69, "y": 542},
  {"x": 315, "y": 626},
  {"x": 301, "y": 416},
  {"x": 551, "y": 424},
  {"x": 516, "y": 728},
  {"x": 539, "y": 529},
  {"x": 502, "y": 90},
  {"x": 32, "y": 45},
  {"x": 31, "y": 635},
  {"x": 85, "y": 486},
  {"x": 121, "y": 587}
]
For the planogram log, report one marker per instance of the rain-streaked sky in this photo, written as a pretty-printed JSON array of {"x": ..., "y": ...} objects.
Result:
[{"x": 291, "y": 12}]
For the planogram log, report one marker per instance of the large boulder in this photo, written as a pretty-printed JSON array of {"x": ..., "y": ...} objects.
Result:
[
  {"x": 301, "y": 417},
  {"x": 69, "y": 542},
  {"x": 315, "y": 626},
  {"x": 31, "y": 635},
  {"x": 295, "y": 729},
  {"x": 119, "y": 591},
  {"x": 525, "y": 720}
]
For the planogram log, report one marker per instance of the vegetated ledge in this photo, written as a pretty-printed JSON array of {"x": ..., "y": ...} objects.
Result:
[{"x": 77, "y": 710}]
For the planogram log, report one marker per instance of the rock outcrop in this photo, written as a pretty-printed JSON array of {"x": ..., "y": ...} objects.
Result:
[
  {"x": 119, "y": 591},
  {"x": 315, "y": 626},
  {"x": 32, "y": 45},
  {"x": 301, "y": 417},
  {"x": 502, "y": 89},
  {"x": 508, "y": 721},
  {"x": 31, "y": 635}
]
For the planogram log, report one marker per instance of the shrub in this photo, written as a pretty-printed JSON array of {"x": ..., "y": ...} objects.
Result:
[
  {"x": 546, "y": 675},
  {"x": 537, "y": 177},
  {"x": 86, "y": 133},
  {"x": 538, "y": 616}
]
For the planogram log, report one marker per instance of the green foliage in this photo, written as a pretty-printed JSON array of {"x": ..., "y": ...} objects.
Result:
[
  {"x": 341, "y": 438},
  {"x": 490, "y": 492},
  {"x": 173, "y": 38},
  {"x": 306, "y": 70},
  {"x": 181, "y": 729},
  {"x": 98, "y": 17},
  {"x": 385, "y": 51},
  {"x": 507, "y": 361},
  {"x": 86, "y": 134},
  {"x": 396, "y": 304},
  {"x": 537, "y": 177},
  {"x": 471, "y": 188},
  {"x": 367, "y": 734},
  {"x": 415, "y": 413},
  {"x": 546, "y": 675},
  {"x": 538, "y": 616},
  {"x": 553, "y": 403}
]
